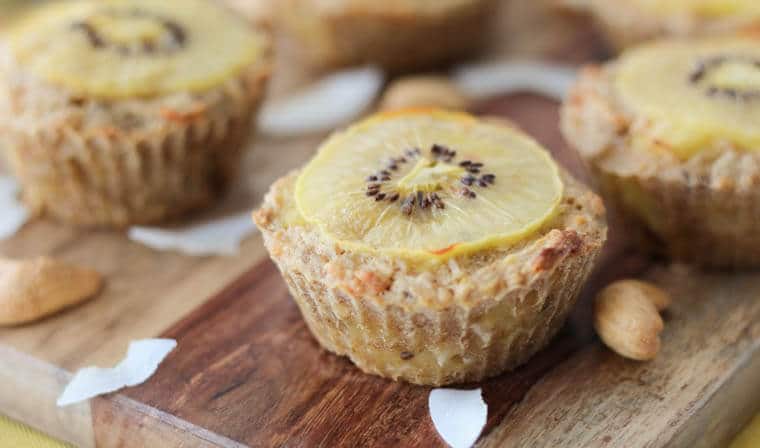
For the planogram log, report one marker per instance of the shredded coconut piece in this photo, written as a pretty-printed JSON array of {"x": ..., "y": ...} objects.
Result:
[
  {"x": 142, "y": 361},
  {"x": 328, "y": 103},
  {"x": 218, "y": 237},
  {"x": 497, "y": 78},
  {"x": 458, "y": 415},
  {"x": 14, "y": 215}
]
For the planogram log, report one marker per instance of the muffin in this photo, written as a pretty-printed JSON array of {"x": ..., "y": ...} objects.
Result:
[
  {"x": 671, "y": 132},
  {"x": 123, "y": 112},
  {"x": 629, "y": 22},
  {"x": 430, "y": 247},
  {"x": 399, "y": 35}
]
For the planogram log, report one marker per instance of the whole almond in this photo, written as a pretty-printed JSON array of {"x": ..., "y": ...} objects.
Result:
[
  {"x": 33, "y": 289},
  {"x": 657, "y": 296},
  {"x": 423, "y": 91},
  {"x": 627, "y": 319}
]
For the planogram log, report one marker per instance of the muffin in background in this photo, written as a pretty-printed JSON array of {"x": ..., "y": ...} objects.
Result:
[
  {"x": 399, "y": 35},
  {"x": 671, "y": 132},
  {"x": 432, "y": 247},
  {"x": 124, "y": 112},
  {"x": 629, "y": 22}
]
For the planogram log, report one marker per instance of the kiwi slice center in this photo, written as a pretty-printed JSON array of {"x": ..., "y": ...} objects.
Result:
[
  {"x": 428, "y": 176},
  {"x": 433, "y": 180},
  {"x": 731, "y": 76},
  {"x": 131, "y": 31}
]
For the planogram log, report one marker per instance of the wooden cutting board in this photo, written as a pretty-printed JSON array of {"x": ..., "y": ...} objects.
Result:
[{"x": 247, "y": 373}]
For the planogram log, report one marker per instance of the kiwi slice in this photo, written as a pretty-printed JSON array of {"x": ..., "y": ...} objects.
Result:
[
  {"x": 692, "y": 95},
  {"x": 428, "y": 185},
  {"x": 124, "y": 48}
]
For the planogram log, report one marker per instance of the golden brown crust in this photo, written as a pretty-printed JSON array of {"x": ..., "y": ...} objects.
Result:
[
  {"x": 116, "y": 163},
  {"x": 343, "y": 33},
  {"x": 549, "y": 256},
  {"x": 463, "y": 320},
  {"x": 702, "y": 210}
]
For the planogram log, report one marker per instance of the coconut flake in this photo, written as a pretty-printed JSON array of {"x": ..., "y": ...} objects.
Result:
[
  {"x": 143, "y": 358},
  {"x": 14, "y": 215},
  {"x": 458, "y": 415},
  {"x": 489, "y": 79},
  {"x": 328, "y": 103},
  {"x": 218, "y": 237}
]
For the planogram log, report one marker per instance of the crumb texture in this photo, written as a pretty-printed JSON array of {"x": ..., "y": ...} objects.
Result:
[
  {"x": 92, "y": 162},
  {"x": 702, "y": 210},
  {"x": 466, "y": 319}
]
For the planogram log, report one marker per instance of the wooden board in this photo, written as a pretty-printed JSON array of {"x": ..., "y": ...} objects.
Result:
[{"x": 246, "y": 371}]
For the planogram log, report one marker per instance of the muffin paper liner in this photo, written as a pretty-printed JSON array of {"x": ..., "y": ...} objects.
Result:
[
  {"x": 702, "y": 221},
  {"x": 440, "y": 347},
  {"x": 703, "y": 210}
]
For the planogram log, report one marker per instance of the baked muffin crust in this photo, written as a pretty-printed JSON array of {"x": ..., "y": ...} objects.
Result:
[
  {"x": 90, "y": 158},
  {"x": 701, "y": 207},
  {"x": 451, "y": 320}
]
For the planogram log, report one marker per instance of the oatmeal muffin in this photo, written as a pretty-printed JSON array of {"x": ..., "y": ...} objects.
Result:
[
  {"x": 671, "y": 132},
  {"x": 400, "y": 35},
  {"x": 123, "y": 112},
  {"x": 629, "y": 22},
  {"x": 431, "y": 247}
]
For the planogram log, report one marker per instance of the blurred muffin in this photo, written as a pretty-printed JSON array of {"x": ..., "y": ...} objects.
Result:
[
  {"x": 122, "y": 112},
  {"x": 671, "y": 132},
  {"x": 432, "y": 247},
  {"x": 628, "y": 22},
  {"x": 399, "y": 35}
]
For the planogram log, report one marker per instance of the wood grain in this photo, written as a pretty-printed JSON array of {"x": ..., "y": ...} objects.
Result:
[
  {"x": 250, "y": 371},
  {"x": 28, "y": 391},
  {"x": 146, "y": 290},
  {"x": 689, "y": 396},
  {"x": 261, "y": 379},
  {"x": 247, "y": 369}
]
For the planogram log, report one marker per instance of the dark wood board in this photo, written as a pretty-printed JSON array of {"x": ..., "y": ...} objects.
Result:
[{"x": 251, "y": 372}]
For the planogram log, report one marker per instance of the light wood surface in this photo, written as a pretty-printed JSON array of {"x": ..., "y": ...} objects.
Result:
[
  {"x": 146, "y": 292},
  {"x": 247, "y": 373}
]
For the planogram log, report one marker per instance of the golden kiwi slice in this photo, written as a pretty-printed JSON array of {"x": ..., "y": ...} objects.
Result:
[
  {"x": 428, "y": 185},
  {"x": 123, "y": 48},
  {"x": 693, "y": 95}
]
